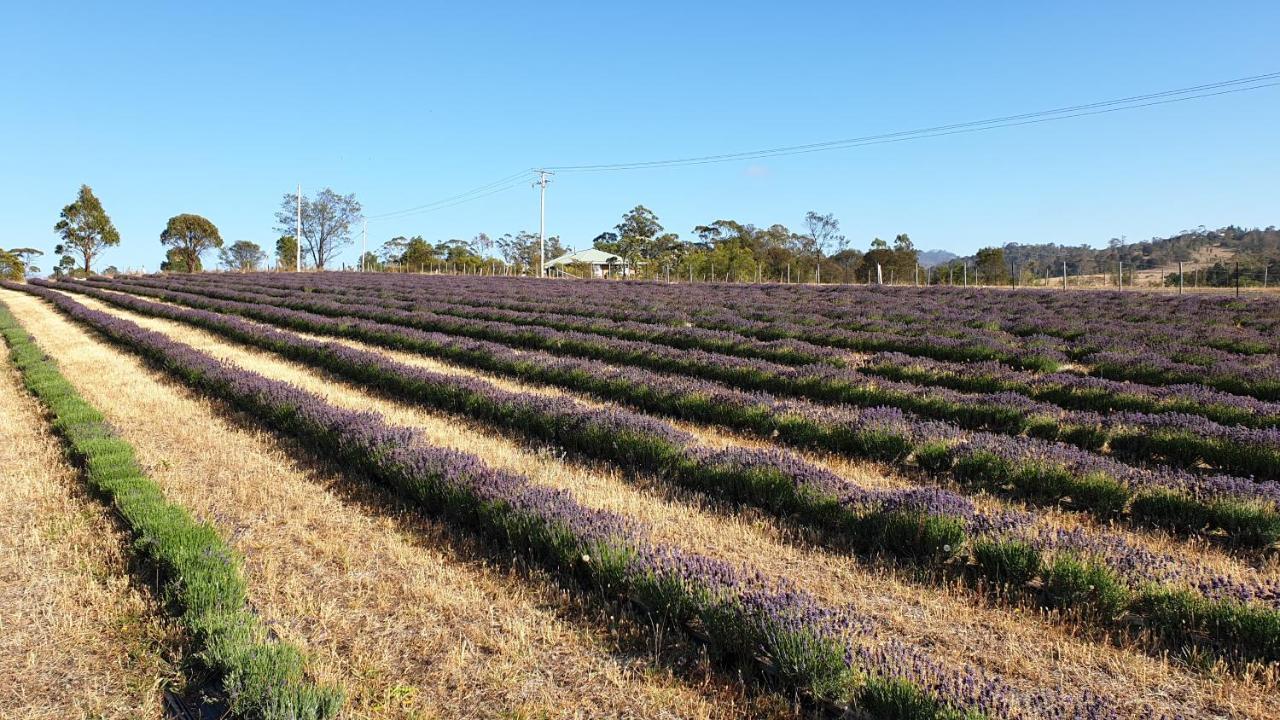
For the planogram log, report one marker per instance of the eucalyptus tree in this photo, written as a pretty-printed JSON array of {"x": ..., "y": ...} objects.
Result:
[
  {"x": 242, "y": 256},
  {"x": 327, "y": 220},
  {"x": 85, "y": 229},
  {"x": 190, "y": 236}
]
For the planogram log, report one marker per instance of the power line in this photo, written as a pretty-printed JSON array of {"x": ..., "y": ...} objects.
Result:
[
  {"x": 1255, "y": 82},
  {"x": 472, "y": 194},
  {"x": 1134, "y": 102}
]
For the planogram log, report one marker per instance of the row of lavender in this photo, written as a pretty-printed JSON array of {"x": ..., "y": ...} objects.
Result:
[
  {"x": 1186, "y": 440},
  {"x": 1242, "y": 327},
  {"x": 1231, "y": 344},
  {"x": 761, "y": 624},
  {"x": 1109, "y": 353},
  {"x": 1112, "y": 352},
  {"x": 1098, "y": 575},
  {"x": 1066, "y": 389},
  {"x": 1226, "y": 320}
]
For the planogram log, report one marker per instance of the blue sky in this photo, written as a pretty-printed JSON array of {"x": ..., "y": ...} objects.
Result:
[{"x": 220, "y": 108}]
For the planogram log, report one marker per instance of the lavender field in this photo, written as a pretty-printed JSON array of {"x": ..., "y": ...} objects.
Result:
[{"x": 933, "y": 502}]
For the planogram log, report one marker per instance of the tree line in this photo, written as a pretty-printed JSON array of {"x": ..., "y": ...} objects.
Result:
[{"x": 721, "y": 250}]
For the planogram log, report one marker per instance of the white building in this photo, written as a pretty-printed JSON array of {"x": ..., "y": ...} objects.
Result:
[{"x": 602, "y": 264}]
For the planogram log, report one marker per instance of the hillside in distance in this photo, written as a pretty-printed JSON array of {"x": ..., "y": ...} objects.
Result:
[
  {"x": 932, "y": 258},
  {"x": 1191, "y": 247}
]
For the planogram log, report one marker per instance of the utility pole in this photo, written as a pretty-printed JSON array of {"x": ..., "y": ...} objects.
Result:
[
  {"x": 297, "y": 236},
  {"x": 1064, "y": 274},
  {"x": 1179, "y": 277},
  {"x": 364, "y": 243},
  {"x": 543, "y": 179}
]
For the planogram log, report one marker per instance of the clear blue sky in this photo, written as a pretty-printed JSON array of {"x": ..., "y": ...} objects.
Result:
[{"x": 220, "y": 108}]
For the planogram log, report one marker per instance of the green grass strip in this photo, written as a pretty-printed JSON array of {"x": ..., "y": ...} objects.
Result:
[{"x": 204, "y": 582}]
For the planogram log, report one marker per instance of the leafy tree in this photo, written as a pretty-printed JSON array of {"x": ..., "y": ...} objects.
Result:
[
  {"x": 823, "y": 235},
  {"x": 990, "y": 266},
  {"x": 411, "y": 253},
  {"x": 243, "y": 256},
  {"x": 287, "y": 253},
  {"x": 11, "y": 268},
  {"x": 191, "y": 235},
  {"x": 905, "y": 256},
  {"x": 878, "y": 255},
  {"x": 462, "y": 253},
  {"x": 521, "y": 249},
  {"x": 177, "y": 261},
  {"x": 85, "y": 228},
  {"x": 728, "y": 246},
  {"x": 845, "y": 263},
  {"x": 15, "y": 263},
  {"x": 66, "y": 266},
  {"x": 326, "y": 223},
  {"x": 640, "y": 241}
]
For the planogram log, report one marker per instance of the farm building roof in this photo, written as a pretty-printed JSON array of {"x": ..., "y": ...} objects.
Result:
[{"x": 590, "y": 255}]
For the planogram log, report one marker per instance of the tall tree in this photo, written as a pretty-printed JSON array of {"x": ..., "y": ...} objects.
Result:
[
  {"x": 176, "y": 261},
  {"x": 15, "y": 263},
  {"x": 990, "y": 267},
  {"x": 191, "y": 235},
  {"x": 411, "y": 253},
  {"x": 242, "y": 255},
  {"x": 823, "y": 235},
  {"x": 287, "y": 253},
  {"x": 326, "y": 223},
  {"x": 521, "y": 249},
  {"x": 905, "y": 256},
  {"x": 879, "y": 255},
  {"x": 636, "y": 236},
  {"x": 85, "y": 228}
]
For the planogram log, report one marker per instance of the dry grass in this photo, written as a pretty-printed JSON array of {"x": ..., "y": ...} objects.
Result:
[
  {"x": 1021, "y": 648},
  {"x": 77, "y": 637},
  {"x": 411, "y": 621}
]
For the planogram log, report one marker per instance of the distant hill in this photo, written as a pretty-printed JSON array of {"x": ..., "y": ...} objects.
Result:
[
  {"x": 931, "y": 258},
  {"x": 1191, "y": 247}
]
